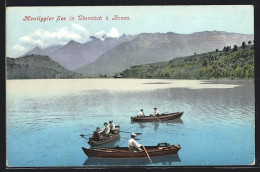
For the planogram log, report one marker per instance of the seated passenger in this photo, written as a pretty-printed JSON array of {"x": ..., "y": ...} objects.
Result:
[
  {"x": 141, "y": 113},
  {"x": 96, "y": 135},
  {"x": 112, "y": 127},
  {"x": 156, "y": 112},
  {"x": 105, "y": 131}
]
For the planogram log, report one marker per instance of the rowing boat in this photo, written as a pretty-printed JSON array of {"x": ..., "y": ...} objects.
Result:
[
  {"x": 123, "y": 152},
  {"x": 105, "y": 139},
  {"x": 162, "y": 117}
]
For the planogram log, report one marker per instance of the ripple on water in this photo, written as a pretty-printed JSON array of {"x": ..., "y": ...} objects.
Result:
[{"x": 214, "y": 117}]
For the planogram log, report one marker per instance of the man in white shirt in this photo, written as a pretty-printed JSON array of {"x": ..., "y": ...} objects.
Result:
[
  {"x": 141, "y": 113},
  {"x": 105, "y": 130},
  {"x": 112, "y": 127},
  {"x": 156, "y": 112},
  {"x": 133, "y": 145}
]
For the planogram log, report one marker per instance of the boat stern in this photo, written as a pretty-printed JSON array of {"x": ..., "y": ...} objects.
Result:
[{"x": 177, "y": 147}]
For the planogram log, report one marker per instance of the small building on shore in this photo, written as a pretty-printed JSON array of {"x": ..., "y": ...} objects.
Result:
[{"x": 118, "y": 76}]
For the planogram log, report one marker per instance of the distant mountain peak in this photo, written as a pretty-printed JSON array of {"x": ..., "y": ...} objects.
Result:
[
  {"x": 37, "y": 48},
  {"x": 172, "y": 33},
  {"x": 72, "y": 42},
  {"x": 94, "y": 38},
  {"x": 211, "y": 32}
]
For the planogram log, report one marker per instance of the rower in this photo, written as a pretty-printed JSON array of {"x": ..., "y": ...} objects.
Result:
[
  {"x": 96, "y": 135},
  {"x": 105, "y": 130},
  {"x": 133, "y": 145},
  {"x": 156, "y": 112},
  {"x": 141, "y": 113},
  {"x": 112, "y": 127}
]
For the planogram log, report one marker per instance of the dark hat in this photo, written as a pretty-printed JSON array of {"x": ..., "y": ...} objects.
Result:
[
  {"x": 105, "y": 123},
  {"x": 154, "y": 108},
  {"x": 141, "y": 109}
]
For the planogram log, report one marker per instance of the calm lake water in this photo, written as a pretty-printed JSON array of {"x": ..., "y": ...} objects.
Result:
[{"x": 46, "y": 117}]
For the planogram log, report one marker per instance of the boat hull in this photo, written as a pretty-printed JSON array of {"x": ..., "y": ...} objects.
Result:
[
  {"x": 163, "y": 117},
  {"x": 95, "y": 143},
  {"x": 123, "y": 152},
  {"x": 105, "y": 140}
]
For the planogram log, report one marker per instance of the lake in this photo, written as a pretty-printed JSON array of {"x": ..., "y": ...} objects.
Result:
[{"x": 45, "y": 118}]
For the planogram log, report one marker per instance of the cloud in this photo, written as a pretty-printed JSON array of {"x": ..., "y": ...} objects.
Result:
[
  {"x": 18, "y": 47},
  {"x": 31, "y": 40},
  {"x": 79, "y": 28},
  {"x": 15, "y": 50},
  {"x": 101, "y": 34},
  {"x": 113, "y": 33},
  {"x": 44, "y": 38}
]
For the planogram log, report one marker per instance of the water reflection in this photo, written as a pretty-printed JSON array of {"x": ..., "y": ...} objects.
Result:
[
  {"x": 161, "y": 160},
  {"x": 174, "y": 121},
  {"x": 155, "y": 125}
]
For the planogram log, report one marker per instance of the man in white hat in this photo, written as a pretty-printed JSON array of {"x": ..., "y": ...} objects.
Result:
[{"x": 133, "y": 145}]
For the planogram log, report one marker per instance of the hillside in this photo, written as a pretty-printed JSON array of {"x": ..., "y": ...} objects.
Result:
[
  {"x": 231, "y": 63},
  {"x": 74, "y": 55},
  {"x": 36, "y": 67},
  {"x": 155, "y": 47}
]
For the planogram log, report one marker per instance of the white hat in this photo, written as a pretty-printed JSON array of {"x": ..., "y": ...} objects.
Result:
[{"x": 133, "y": 134}]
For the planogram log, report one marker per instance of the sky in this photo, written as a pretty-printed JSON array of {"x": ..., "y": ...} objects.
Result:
[{"x": 22, "y": 36}]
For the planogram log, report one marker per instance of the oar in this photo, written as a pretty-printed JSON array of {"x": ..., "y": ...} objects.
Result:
[
  {"x": 128, "y": 138},
  {"x": 124, "y": 137},
  {"x": 130, "y": 132},
  {"x": 83, "y": 135},
  {"x": 158, "y": 119},
  {"x": 147, "y": 155}
]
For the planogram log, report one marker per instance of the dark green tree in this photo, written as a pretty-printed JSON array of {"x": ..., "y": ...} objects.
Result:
[
  {"x": 204, "y": 62},
  {"x": 249, "y": 42},
  {"x": 228, "y": 48},
  {"x": 235, "y": 48},
  {"x": 244, "y": 45}
]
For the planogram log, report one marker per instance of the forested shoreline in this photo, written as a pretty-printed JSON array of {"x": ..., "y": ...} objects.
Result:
[{"x": 229, "y": 63}]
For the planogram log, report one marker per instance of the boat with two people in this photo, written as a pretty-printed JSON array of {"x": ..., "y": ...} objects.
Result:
[{"x": 154, "y": 118}]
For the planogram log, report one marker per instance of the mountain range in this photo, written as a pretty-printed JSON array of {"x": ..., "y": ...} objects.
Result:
[
  {"x": 74, "y": 55},
  {"x": 116, "y": 54}
]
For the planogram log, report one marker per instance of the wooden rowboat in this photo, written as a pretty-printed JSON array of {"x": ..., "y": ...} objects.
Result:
[
  {"x": 162, "y": 117},
  {"x": 108, "y": 138},
  {"x": 123, "y": 152}
]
